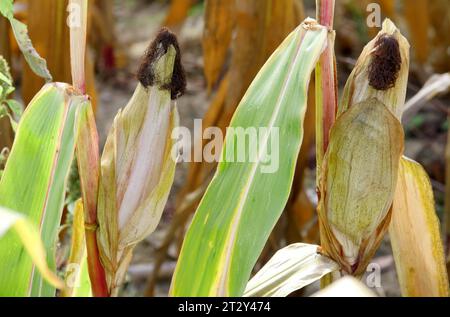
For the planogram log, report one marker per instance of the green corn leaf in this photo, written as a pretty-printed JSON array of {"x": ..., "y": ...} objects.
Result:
[
  {"x": 31, "y": 240},
  {"x": 227, "y": 236},
  {"x": 6, "y": 8},
  {"x": 33, "y": 183},
  {"x": 290, "y": 269},
  {"x": 37, "y": 64},
  {"x": 15, "y": 107}
]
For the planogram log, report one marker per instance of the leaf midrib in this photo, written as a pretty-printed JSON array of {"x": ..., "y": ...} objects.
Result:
[{"x": 231, "y": 238}]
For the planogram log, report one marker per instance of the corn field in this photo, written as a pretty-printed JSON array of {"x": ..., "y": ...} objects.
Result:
[{"x": 224, "y": 148}]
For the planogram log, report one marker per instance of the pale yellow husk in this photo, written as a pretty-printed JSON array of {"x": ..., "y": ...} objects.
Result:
[{"x": 415, "y": 235}]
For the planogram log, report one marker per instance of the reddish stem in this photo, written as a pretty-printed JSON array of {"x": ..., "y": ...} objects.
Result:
[
  {"x": 327, "y": 61},
  {"x": 329, "y": 95},
  {"x": 325, "y": 13},
  {"x": 95, "y": 268}
]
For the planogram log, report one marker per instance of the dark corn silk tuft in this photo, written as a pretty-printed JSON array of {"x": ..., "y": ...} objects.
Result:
[
  {"x": 157, "y": 48},
  {"x": 386, "y": 63}
]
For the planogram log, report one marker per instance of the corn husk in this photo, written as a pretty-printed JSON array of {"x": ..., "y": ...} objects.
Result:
[
  {"x": 137, "y": 169},
  {"x": 358, "y": 88},
  {"x": 360, "y": 168}
]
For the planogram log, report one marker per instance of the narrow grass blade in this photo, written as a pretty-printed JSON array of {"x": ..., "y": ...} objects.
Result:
[
  {"x": 415, "y": 235},
  {"x": 227, "y": 236},
  {"x": 34, "y": 181},
  {"x": 290, "y": 269}
]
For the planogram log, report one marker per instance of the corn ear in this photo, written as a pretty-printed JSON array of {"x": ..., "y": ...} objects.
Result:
[
  {"x": 359, "y": 182},
  {"x": 415, "y": 235},
  {"x": 360, "y": 168},
  {"x": 137, "y": 169}
]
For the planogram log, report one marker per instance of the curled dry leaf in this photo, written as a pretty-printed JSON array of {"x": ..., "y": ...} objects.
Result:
[
  {"x": 290, "y": 269},
  {"x": 419, "y": 257}
]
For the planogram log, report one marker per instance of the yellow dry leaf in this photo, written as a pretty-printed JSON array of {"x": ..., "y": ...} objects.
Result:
[
  {"x": 219, "y": 22},
  {"x": 415, "y": 235}
]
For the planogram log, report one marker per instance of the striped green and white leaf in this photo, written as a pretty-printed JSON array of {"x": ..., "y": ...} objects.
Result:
[
  {"x": 34, "y": 181},
  {"x": 290, "y": 269},
  {"x": 227, "y": 236},
  {"x": 31, "y": 240}
]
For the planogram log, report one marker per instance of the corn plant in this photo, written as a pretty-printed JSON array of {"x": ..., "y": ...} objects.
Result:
[
  {"x": 123, "y": 194},
  {"x": 366, "y": 186}
]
